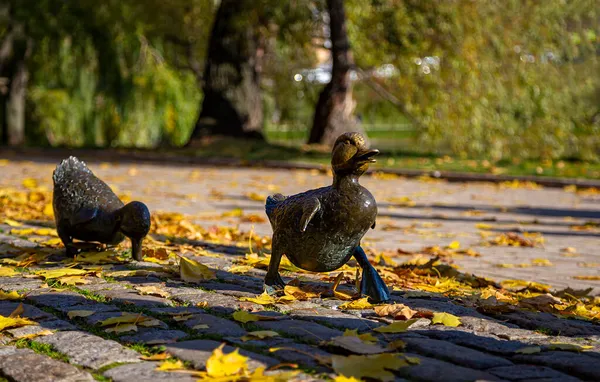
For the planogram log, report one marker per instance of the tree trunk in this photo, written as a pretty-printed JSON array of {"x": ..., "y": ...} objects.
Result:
[
  {"x": 232, "y": 104},
  {"x": 15, "y": 50},
  {"x": 334, "y": 111}
]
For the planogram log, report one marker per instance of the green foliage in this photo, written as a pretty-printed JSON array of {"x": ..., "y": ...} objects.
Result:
[
  {"x": 494, "y": 79},
  {"x": 504, "y": 79}
]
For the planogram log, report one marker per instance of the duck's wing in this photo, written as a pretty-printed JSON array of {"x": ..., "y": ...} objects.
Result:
[
  {"x": 310, "y": 207},
  {"x": 83, "y": 215}
]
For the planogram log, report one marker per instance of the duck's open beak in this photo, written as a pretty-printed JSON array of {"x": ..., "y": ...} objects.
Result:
[
  {"x": 136, "y": 249},
  {"x": 367, "y": 156}
]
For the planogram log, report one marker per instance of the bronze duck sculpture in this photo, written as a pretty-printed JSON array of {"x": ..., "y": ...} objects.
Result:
[
  {"x": 85, "y": 208},
  {"x": 320, "y": 230}
]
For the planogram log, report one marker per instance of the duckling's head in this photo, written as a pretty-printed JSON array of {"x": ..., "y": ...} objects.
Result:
[
  {"x": 351, "y": 155},
  {"x": 135, "y": 224}
]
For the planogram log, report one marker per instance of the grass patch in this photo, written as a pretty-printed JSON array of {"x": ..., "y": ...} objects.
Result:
[{"x": 41, "y": 348}]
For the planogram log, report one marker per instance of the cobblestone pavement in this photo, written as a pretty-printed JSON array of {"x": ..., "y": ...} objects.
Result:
[{"x": 413, "y": 214}]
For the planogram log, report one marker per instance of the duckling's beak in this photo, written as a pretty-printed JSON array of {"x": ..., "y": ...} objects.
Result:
[
  {"x": 136, "y": 249},
  {"x": 366, "y": 156}
]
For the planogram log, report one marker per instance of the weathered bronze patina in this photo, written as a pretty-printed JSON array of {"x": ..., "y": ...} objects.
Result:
[
  {"x": 320, "y": 230},
  {"x": 85, "y": 208}
]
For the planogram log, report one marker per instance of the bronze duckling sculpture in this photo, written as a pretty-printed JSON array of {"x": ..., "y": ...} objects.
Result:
[
  {"x": 320, "y": 230},
  {"x": 85, "y": 208}
]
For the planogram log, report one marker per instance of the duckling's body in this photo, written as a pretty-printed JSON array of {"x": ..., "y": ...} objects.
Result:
[
  {"x": 320, "y": 230},
  {"x": 85, "y": 208}
]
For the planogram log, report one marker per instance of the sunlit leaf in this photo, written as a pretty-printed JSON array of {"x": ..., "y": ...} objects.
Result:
[
  {"x": 396, "y": 311},
  {"x": 220, "y": 364},
  {"x": 568, "y": 347},
  {"x": 244, "y": 317},
  {"x": 362, "y": 303},
  {"x": 16, "y": 322},
  {"x": 7, "y": 272},
  {"x": 263, "y": 299},
  {"x": 193, "y": 272},
  {"x": 445, "y": 319},
  {"x": 170, "y": 365},
  {"x": 12, "y": 295}
]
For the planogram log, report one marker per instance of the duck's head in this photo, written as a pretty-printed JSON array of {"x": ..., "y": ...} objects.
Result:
[
  {"x": 135, "y": 224},
  {"x": 351, "y": 155}
]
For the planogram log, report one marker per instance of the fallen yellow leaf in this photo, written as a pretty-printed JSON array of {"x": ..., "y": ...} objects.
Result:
[
  {"x": 16, "y": 322},
  {"x": 529, "y": 350},
  {"x": 7, "y": 272},
  {"x": 19, "y": 310},
  {"x": 367, "y": 338},
  {"x": 396, "y": 311},
  {"x": 263, "y": 299},
  {"x": 12, "y": 295},
  {"x": 223, "y": 365},
  {"x": 244, "y": 317},
  {"x": 192, "y": 271},
  {"x": 395, "y": 327},
  {"x": 61, "y": 272},
  {"x": 170, "y": 365},
  {"x": 445, "y": 319},
  {"x": 454, "y": 245},
  {"x": 362, "y": 303},
  {"x": 79, "y": 313}
]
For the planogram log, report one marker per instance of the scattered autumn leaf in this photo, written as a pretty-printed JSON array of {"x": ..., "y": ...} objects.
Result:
[
  {"x": 396, "y": 311},
  {"x": 12, "y": 295},
  {"x": 445, "y": 319},
  {"x": 193, "y": 272},
  {"x": 379, "y": 366},
  {"x": 362, "y": 303},
  {"x": 395, "y": 327}
]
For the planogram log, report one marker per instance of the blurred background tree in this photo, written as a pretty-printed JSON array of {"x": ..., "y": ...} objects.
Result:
[{"x": 510, "y": 79}]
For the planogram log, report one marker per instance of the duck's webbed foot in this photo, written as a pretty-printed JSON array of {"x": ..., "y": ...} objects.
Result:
[
  {"x": 371, "y": 284},
  {"x": 273, "y": 281},
  {"x": 72, "y": 250}
]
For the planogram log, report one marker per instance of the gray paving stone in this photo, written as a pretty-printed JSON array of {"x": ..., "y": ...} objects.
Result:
[
  {"x": 97, "y": 318},
  {"x": 305, "y": 355},
  {"x": 198, "y": 351},
  {"x": 306, "y": 331},
  {"x": 88, "y": 350},
  {"x": 335, "y": 318},
  {"x": 19, "y": 283},
  {"x": 145, "y": 372},
  {"x": 479, "y": 341},
  {"x": 230, "y": 289},
  {"x": 23, "y": 365},
  {"x": 29, "y": 311},
  {"x": 435, "y": 370},
  {"x": 131, "y": 297},
  {"x": 61, "y": 301},
  {"x": 530, "y": 372},
  {"x": 456, "y": 354},
  {"x": 547, "y": 321},
  {"x": 151, "y": 336},
  {"x": 575, "y": 364},
  {"x": 217, "y": 302},
  {"x": 216, "y": 325},
  {"x": 176, "y": 310}
]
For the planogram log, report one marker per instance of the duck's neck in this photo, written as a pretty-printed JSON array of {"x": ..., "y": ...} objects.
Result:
[{"x": 345, "y": 181}]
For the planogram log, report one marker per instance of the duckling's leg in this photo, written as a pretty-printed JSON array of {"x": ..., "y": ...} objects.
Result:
[
  {"x": 371, "y": 284},
  {"x": 273, "y": 281},
  {"x": 67, "y": 241}
]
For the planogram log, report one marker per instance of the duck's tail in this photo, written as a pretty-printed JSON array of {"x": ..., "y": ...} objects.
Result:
[
  {"x": 69, "y": 166},
  {"x": 273, "y": 201}
]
